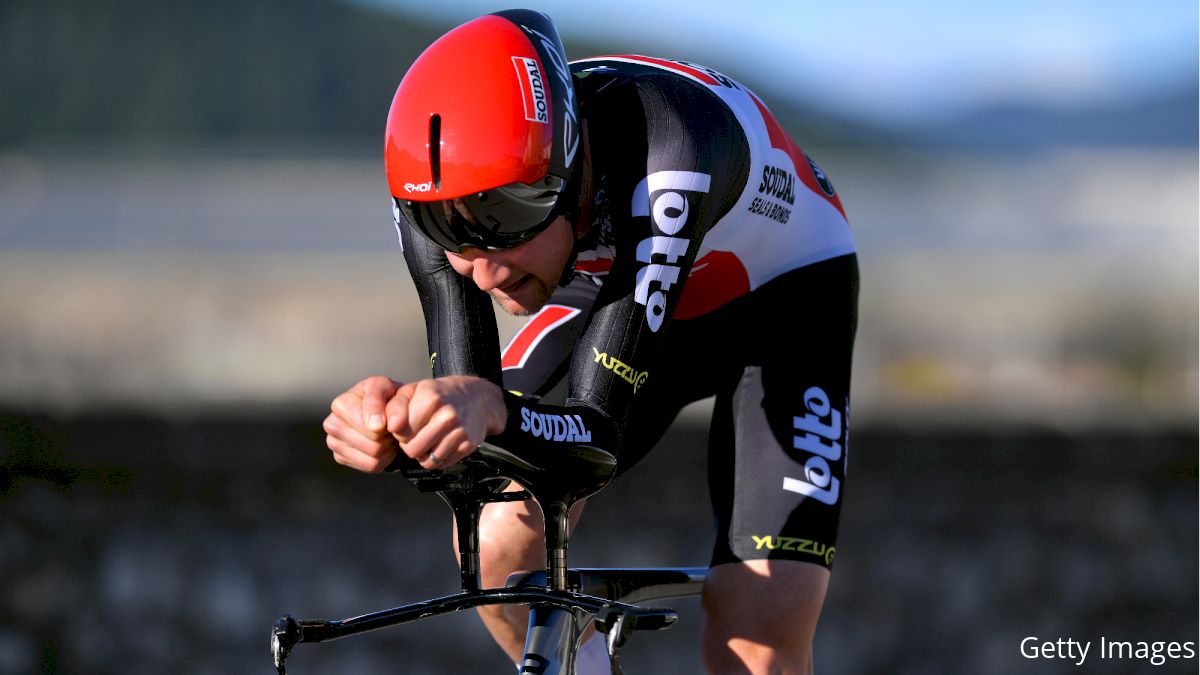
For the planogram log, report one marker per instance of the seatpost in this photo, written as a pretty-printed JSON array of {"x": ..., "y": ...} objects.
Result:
[{"x": 557, "y": 516}]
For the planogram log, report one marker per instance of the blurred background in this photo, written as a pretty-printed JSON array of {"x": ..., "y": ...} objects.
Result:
[{"x": 197, "y": 255}]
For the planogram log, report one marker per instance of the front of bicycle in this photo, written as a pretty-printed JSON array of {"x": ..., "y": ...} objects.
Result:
[{"x": 562, "y": 602}]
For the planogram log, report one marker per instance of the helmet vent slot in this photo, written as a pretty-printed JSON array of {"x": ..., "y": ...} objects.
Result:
[{"x": 435, "y": 149}]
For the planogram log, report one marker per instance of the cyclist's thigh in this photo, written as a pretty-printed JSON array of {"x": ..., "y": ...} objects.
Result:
[
  {"x": 777, "y": 460},
  {"x": 778, "y": 447}
]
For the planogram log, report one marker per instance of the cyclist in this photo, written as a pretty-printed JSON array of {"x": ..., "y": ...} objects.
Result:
[{"x": 669, "y": 242}]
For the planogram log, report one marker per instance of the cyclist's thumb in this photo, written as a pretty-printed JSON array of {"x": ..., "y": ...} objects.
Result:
[{"x": 376, "y": 392}]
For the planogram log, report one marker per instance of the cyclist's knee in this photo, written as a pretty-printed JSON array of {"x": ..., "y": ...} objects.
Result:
[
  {"x": 760, "y": 616},
  {"x": 510, "y": 540}
]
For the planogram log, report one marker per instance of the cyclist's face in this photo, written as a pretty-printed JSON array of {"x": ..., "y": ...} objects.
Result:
[{"x": 520, "y": 279}]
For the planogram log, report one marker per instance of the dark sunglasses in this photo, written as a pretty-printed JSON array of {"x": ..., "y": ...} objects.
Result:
[{"x": 500, "y": 218}]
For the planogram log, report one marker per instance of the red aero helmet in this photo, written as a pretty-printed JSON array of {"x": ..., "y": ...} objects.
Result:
[{"x": 483, "y": 133}]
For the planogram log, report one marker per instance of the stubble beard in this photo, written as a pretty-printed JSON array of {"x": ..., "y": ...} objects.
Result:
[{"x": 544, "y": 293}]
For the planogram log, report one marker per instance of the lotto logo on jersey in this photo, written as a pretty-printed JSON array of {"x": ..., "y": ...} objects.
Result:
[
  {"x": 822, "y": 440},
  {"x": 533, "y": 89},
  {"x": 567, "y": 428},
  {"x": 663, "y": 196}
]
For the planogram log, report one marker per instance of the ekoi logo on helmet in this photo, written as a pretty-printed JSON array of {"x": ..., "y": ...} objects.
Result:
[{"x": 418, "y": 187}]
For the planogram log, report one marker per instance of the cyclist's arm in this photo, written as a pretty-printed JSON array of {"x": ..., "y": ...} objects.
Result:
[{"x": 459, "y": 321}]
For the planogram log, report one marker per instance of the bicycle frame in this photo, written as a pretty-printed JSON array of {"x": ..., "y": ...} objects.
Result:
[{"x": 562, "y": 601}]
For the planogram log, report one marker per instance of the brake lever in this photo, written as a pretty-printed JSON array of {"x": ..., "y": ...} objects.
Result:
[{"x": 284, "y": 635}]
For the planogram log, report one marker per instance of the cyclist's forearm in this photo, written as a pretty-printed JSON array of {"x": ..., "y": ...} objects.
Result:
[
  {"x": 459, "y": 320},
  {"x": 534, "y": 424}
]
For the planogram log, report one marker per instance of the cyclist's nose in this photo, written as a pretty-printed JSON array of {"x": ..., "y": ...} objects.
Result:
[{"x": 488, "y": 270}]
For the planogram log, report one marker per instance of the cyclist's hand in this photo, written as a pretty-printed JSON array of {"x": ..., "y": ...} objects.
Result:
[
  {"x": 357, "y": 430},
  {"x": 440, "y": 421}
]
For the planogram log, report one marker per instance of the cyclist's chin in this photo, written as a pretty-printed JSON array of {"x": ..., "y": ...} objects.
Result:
[{"x": 526, "y": 300}]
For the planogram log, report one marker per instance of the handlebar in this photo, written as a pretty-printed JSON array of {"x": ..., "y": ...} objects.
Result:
[
  {"x": 557, "y": 479},
  {"x": 615, "y": 618}
]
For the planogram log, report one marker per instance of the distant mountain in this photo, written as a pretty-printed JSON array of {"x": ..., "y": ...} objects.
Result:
[
  {"x": 1167, "y": 120},
  {"x": 190, "y": 70}
]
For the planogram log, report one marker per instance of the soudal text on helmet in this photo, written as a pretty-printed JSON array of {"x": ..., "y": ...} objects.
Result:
[{"x": 570, "y": 121}]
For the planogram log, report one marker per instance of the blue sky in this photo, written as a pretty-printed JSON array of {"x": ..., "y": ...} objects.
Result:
[{"x": 900, "y": 62}]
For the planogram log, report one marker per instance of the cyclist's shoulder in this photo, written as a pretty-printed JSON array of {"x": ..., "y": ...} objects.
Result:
[
  {"x": 647, "y": 114},
  {"x": 683, "y": 86},
  {"x": 639, "y": 67}
]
